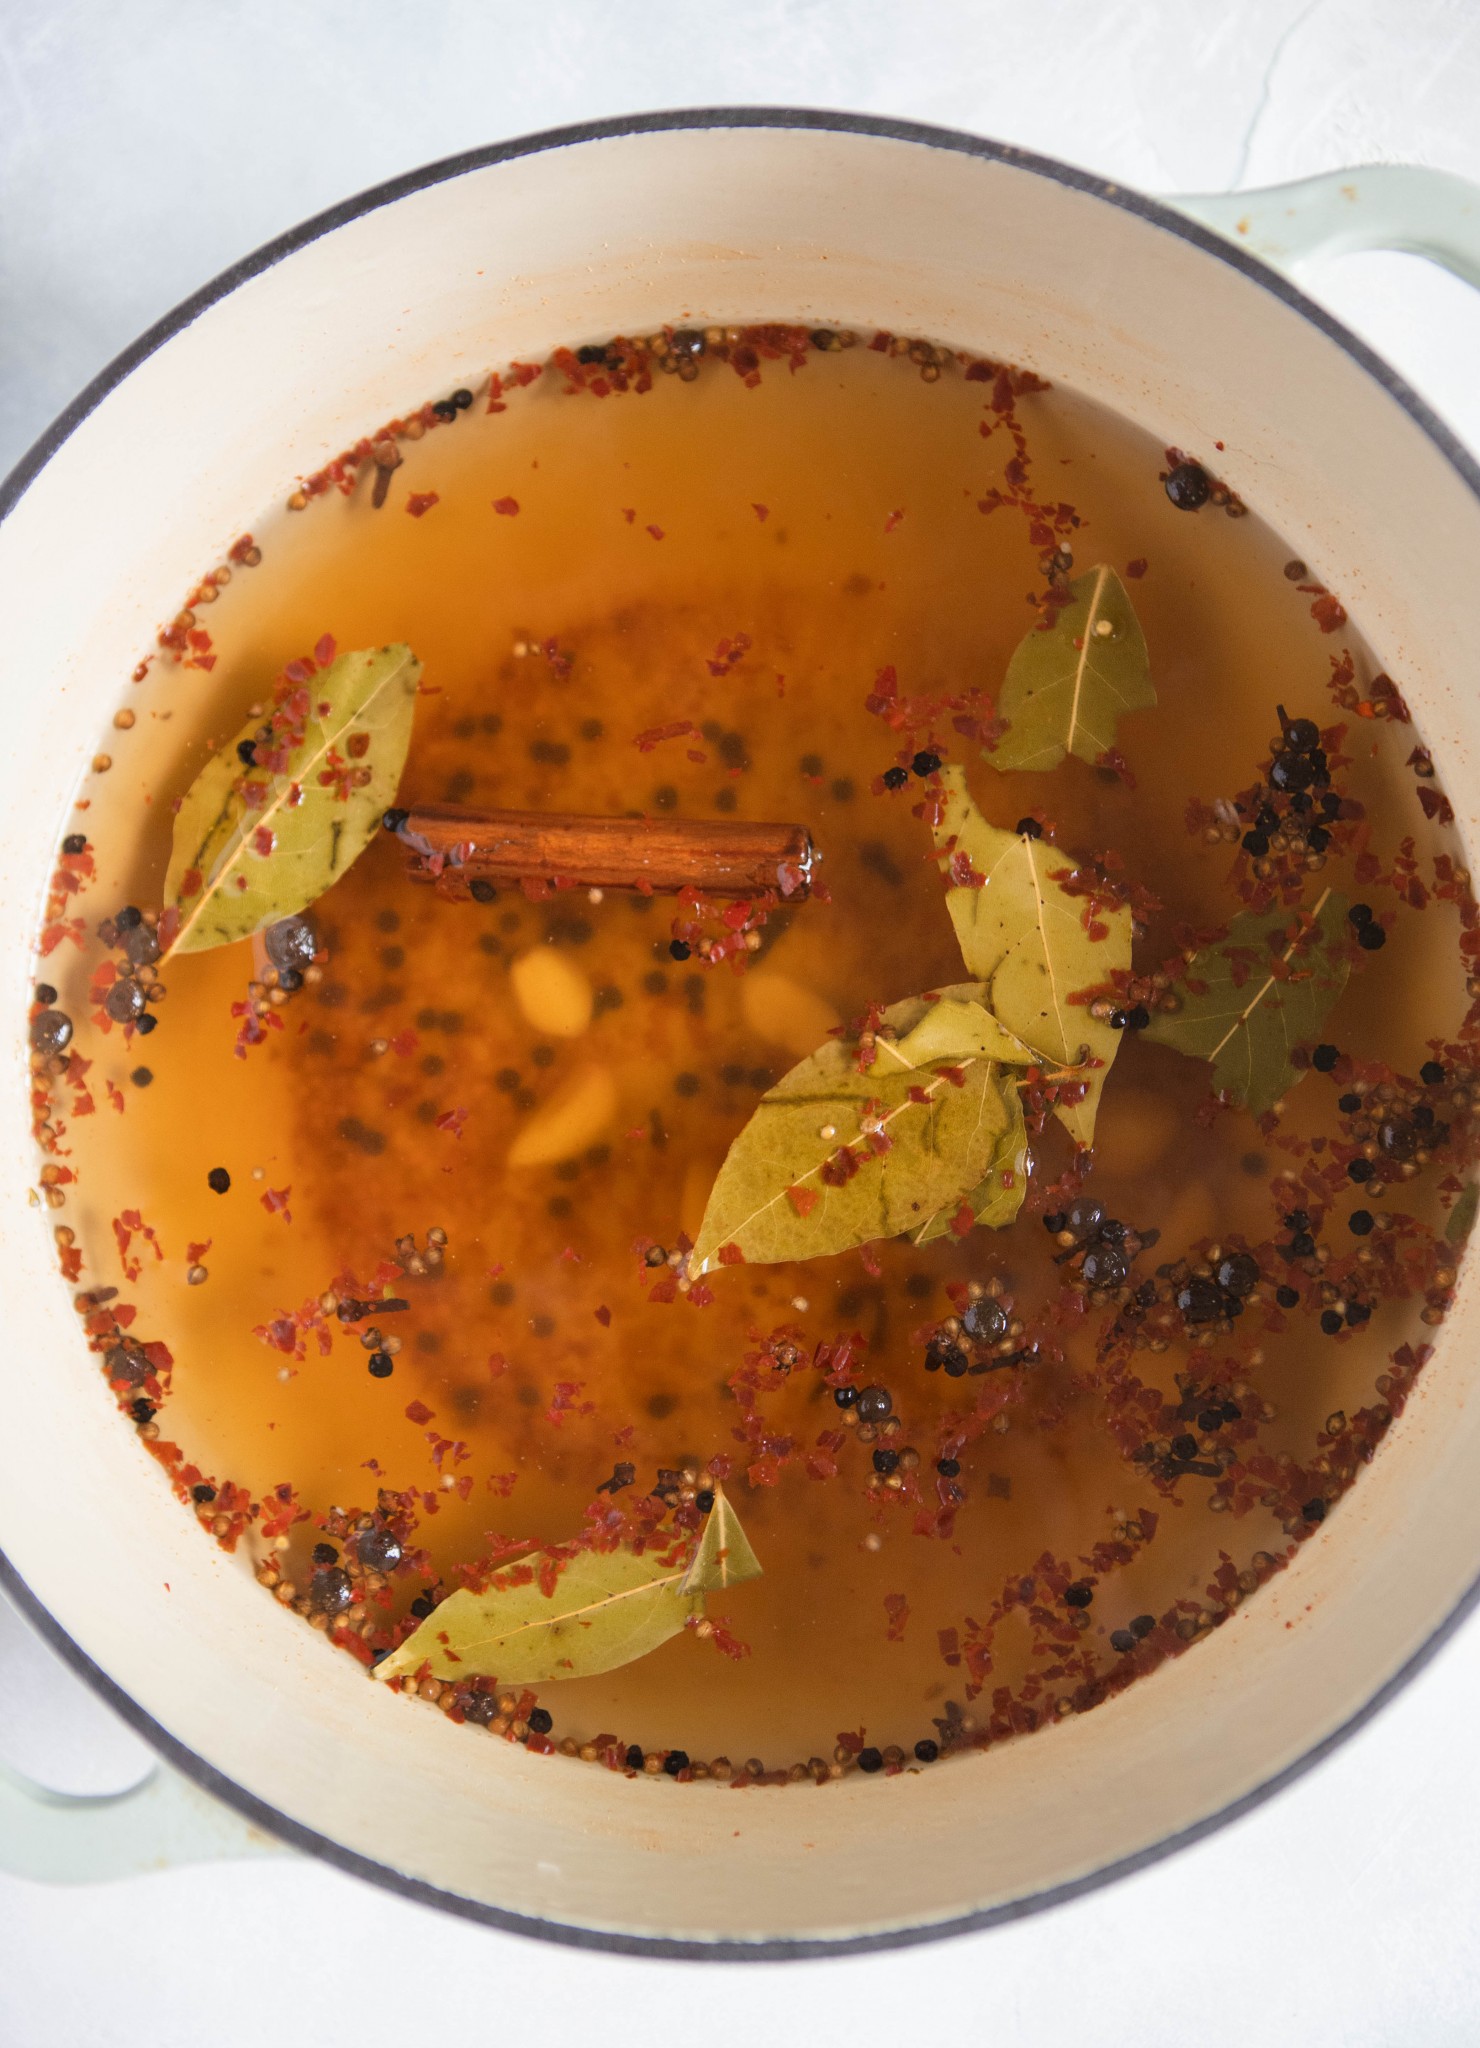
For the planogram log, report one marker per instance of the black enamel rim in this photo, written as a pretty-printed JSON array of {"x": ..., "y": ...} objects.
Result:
[{"x": 176, "y": 1753}]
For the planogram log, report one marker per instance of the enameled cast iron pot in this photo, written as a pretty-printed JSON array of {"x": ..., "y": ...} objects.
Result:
[{"x": 428, "y": 282}]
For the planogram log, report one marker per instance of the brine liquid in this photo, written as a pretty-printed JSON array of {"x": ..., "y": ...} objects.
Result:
[{"x": 573, "y": 572}]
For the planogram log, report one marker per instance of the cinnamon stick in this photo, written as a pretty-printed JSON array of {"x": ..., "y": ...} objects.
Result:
[{"x": 457, "y": 849}]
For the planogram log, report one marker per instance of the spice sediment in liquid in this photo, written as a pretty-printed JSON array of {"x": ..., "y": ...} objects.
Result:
[{"x": 744, "y": 559}]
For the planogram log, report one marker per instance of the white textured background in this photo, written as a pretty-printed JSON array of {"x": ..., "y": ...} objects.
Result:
[{"x": 144, "y": 144}]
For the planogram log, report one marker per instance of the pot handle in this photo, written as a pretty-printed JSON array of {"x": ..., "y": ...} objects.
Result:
[
  {"x": 1373, "y": 206},
  {"x": 75, "y": 1838}
]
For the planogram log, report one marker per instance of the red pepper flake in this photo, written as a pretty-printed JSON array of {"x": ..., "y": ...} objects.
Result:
[
  {"x": 507, "y": 508},
  {"x": 115, "y": 1096},
  {"x": 418, "y": 1412},
  {"x": 1136, "y": 569},
  {"x": 762, "y": 512},
  {"x": 803, "y": 1200},
  {"x": 963, "y": 1221},
  {"x": 897, "y": 1607},
  {"x": 275, "y": 1202},
  {"x": 629, "y": 513},
  {"x": 731, "y": 1255},
  {"x": 655, "y": 734},
  {"x": 603, "y": 1316},
  {"x": 498, "y": 1365},
  {"x": 893, "y": 520},
  {"x": 452, "y": 1120},
  {"x": 727, "y": 654},
  {"x": 656, "y": 532},
  {"x": 194, "y": 1253},
  {"x": 421, "y": 501},
  {"x": 323, "y": 652},
  {"x": 565, "y": 1402}
]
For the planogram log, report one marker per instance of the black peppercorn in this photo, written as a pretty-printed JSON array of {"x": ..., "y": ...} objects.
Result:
[
  {"x": 679, "y": 949},
  {"x": 870, "y": 1760},
  {"x": 948, "y": 1468},
  {"x": 1431, "y": 1074},
  {"x": 1360, "y": 1169},
  {"x": 942, "y": 1352},
  {"x": 1287, "y": 1297},
  {"x": 1314, "y": 1511},
  {"x": 129, "y": 917},
  {"x": 1184, "y": 1447},
  {"x": 895, "y": 778},
  {"x": 677, "y": 1760},
  {"x": 394, "y": 819},
  {"x": 203, "y": 1494},
  {"x": 382, "y": 1365},
  {"x": 541, "y": 1720},
  {"x": 1301, "y": 735},
  {"x": 1079, "y": 1594},
  {"x": 1330, "y": 1321},
  {"x": 1360, "y": 914},
  {"x": 1142, "y": 1625},
  {"x": 218, "y": 1180},
  {"x": 1188, "y": 486},
  {"x": 885, "y": 1461},
  {"x": 926, "y": 763},
  {"x": 633, "y": 1757},
  {"x": 1200, "y": 1301},
  {"x": 1028, "y": 828},
  {"x": 845, "y": 1397},
  {"x": 1360, "y": 1222},
  {"x": 1349, "y": 1104},
  {"x": 1372, "y": 938},
  {"x": 1121, "y": 1640},
  {"x": 704, "y": 1501},
  {"x": 1324, "y": 1058},
  {"x": 1256, "y": 844},
  {"x": 926, "y": 1751}
]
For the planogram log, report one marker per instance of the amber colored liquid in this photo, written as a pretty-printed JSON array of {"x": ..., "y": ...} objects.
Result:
[{"x": 829, "y": 587}]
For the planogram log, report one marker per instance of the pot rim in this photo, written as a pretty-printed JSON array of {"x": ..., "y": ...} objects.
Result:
[{"x": 178, "y": 1754}]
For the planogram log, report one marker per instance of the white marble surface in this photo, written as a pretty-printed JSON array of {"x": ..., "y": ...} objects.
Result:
[{"x": 146, "y": 143}]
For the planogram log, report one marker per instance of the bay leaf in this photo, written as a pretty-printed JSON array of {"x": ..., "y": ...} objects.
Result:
[
  {"x": 995, "y": 1200},
  {"x": 1461, "y": 1219},
  {"x": 804, "y": 1178},
  {"x": 607, "y": 1608},
  {"x": 724, "y": 1557},
  {"x": 956, "y": 1026},
  {"x": 1241, "y": 1016},
  {"x": 1068, "y": 684},
  {"x": 1024, "y": 935},
  {"x": 237, "y": 866}
]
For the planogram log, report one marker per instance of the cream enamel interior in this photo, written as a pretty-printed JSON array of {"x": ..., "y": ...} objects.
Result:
[{"x": 583, "y": 240}]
